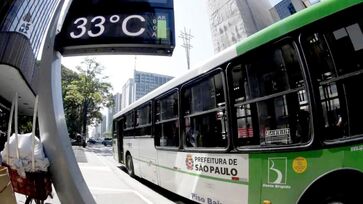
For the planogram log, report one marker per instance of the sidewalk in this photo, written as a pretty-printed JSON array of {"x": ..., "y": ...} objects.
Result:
[{"x": 107, "y": 183}]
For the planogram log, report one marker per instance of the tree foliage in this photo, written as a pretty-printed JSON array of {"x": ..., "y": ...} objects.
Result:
[
  {"x": 84, "y": 94},
  {"x": 71, "y": 105}
]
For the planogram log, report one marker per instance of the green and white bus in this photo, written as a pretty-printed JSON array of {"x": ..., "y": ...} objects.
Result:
[{"x": 273, "y": 119}]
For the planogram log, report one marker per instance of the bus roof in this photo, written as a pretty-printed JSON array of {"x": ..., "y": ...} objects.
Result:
[
  {"x": 217, "y": 60},
  {"x": 291, "y": 23}
]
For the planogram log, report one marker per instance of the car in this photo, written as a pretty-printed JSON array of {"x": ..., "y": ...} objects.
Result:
[
  {"x": 99, "y": 140},
  {"x": 107, "y": 141},
  {"x": 91, "y": 141},
  {"x": 78, "y": 140},
  {"x": 73, "y": 141}
]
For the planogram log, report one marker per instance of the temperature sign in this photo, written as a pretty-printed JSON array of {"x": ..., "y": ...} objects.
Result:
[
  {"x": 142, "y": 26},
  {"x": 137, "y": 32}
]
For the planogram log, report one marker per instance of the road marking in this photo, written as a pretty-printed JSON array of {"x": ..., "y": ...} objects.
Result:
[{"x": 121, "y": 191}]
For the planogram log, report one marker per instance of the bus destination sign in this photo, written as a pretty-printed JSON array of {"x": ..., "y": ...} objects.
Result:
[{"x": 148, "y": 31}]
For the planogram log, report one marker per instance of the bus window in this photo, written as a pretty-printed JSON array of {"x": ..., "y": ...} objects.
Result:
[
  {"x": 204, "y": 113},
  {"x": 128, "y": 125},
  {"x": 143, "y": 121},
  {"x": 143, "y": 116},
  {"x": 270, "y": 99},
  {"x": 335, "y": 60},
  {"x": 167, "y": 121}
]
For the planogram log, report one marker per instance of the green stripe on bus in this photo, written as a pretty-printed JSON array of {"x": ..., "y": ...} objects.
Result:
[{"x": 195, "y": 174}]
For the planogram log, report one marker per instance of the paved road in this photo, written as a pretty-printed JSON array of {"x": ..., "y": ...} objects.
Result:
[{"x": 107, "y": 182}]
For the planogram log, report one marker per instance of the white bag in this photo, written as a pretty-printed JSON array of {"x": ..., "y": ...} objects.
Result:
[
  {"x": 24, "y": 152},
  {"x": 25, "y": 147}
]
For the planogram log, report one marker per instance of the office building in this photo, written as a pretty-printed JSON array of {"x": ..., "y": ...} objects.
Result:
[
  {"x": 145, "y": 82},
  {"x": 128, "y": 93},
  {"x": 109, "y": 116},
  {"x": 234, "y": 20},
  {"x": 117, "y": 98},
  {"x": 142, "y": 84},
  {"x": 286, "y": 8},
  {"x": 117, "y": 103}
]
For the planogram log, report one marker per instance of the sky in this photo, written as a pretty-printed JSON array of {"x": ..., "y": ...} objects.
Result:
[
  {"x": 189, "y": 14},
  {"x": 274, "y": 2}
]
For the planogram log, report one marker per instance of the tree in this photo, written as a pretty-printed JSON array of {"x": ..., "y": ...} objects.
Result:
[
  {"x": 71, "y": 102},
  {"x": 85, "y": 95}
]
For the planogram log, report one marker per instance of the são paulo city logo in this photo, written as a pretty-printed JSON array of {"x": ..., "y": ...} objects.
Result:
[{"x": 189, "y": 162}]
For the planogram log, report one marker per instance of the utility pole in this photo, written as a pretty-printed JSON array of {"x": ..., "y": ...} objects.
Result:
[{"x": 186, "y": 36}]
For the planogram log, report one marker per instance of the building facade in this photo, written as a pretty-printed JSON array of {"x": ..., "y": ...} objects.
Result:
[
  {"x": 145, "y": 82},
  {"x": 117, "y": 98},
  {"x": 109, "y": 118},
  {"x": 128, "y": 93},
  {"x": 30, "y": 18},
  {"x": 286, "y": 8},
  {"x": 140, "y": 85},
  {"x": 23, "y": 26},
  {"x": 234, "y": 20}
]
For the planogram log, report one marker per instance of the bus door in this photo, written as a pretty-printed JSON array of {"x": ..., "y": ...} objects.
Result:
[
  {"x": 145, "y": 143},
  {"x": 166, "y": 137},
  {"x": 120, "y": 140},
  {"x": 272, "y": 110},
  {"x": 117, "y": 141}
]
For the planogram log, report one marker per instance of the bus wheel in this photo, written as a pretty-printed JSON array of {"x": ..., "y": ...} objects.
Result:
[
  {"x": 331, "y": 198},
  {"x": 335, "y": 188},
  {"x": 336, "y": 195},
  {"x": 334, "y": 201},
  {"x": 130, "y": 165}
]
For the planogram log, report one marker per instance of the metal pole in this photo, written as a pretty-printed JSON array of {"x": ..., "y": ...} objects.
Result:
[{"x": 67, "y": 178}]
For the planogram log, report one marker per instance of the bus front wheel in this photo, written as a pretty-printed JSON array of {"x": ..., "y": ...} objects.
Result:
[
  {"x": 331, "y": 196},
  {"x": 130, "y": 165}
]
